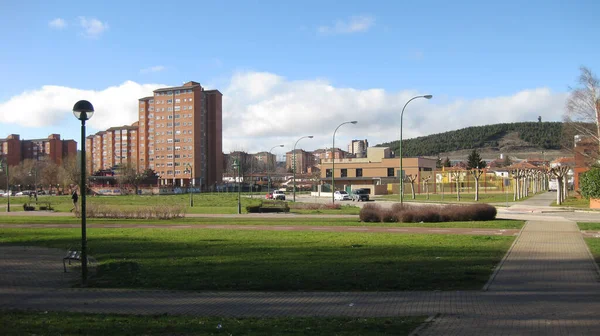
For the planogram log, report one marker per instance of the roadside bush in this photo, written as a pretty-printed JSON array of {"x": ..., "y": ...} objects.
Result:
[
  {"x": 590, "y": 183},
  {"x": 154, "y": 212},
  {"x": 389, "y": 216},
  {"x": 427, "y": 213},
  {"x": 370, "y": 213}
]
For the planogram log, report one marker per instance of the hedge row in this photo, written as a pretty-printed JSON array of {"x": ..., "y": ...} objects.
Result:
[{"x": 427, "y": 213}]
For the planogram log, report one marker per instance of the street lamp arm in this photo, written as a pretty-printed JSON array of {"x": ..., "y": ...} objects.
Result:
[
  {"x": 294, "y": 165},
  {"x": 401, "y": 182},
  {"x": 333, "y": 158}
]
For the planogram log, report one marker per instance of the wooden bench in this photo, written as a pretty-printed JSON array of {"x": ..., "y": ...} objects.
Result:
[{"x": 41, "y": 205}]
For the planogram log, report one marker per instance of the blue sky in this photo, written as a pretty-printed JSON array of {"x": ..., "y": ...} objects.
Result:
[{"x": 472, "y": 55}]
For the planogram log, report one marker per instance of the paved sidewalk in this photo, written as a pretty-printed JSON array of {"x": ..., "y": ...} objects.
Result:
[{"x": 549, "y": 268}]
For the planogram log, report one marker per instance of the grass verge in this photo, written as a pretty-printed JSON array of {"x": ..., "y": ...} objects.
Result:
[
  {"x": 495, "y": 224},
  {"x": 50, "y": 323},
  {"x": 451, "y": 198},
  {"x": 588, "y": 226},
  {"x": 188, "y": 259},
  {"x": 204, "y": 203},
  {"x": 575, "y": 202},
  {"x": 594, "y": 245}
]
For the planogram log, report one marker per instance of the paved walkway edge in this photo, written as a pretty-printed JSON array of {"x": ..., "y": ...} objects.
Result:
[
  {"x": 591, "y": 257},
  {"x": 424, "y": 325},
  {"x": 499, "y": 266}
]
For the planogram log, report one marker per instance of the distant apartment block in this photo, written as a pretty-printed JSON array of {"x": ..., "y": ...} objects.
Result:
[
  {"x": 52, "y": 148},
  {"x": 178, "y": 127},
  {"x": 115, "y": 146},
  {"x": 325, "y": 154},
  {"x": 304, "y": 161},
  {"x": 181, "y": 126},
  {"x": 358, "y": 148}
]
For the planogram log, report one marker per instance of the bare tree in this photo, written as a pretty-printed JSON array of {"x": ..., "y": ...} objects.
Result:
[
  {"x": 69, "y": 173},
  {"x": 411, "y": 179},
  {"x": 583, "y": 108},
  {"x": 561, "y": 174},
  {"x": 425, "y": 181}
]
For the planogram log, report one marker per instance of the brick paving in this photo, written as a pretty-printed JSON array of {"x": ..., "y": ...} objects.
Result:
[{"x": 547, "y": 284}]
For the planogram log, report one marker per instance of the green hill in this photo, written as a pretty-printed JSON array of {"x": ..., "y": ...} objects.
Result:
[{"x": 542, "y": 135}]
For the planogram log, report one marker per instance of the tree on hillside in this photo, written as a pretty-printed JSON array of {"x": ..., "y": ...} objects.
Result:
[
  {"x": 583, "y": 108},
  {"x": 475, "y": 165}
]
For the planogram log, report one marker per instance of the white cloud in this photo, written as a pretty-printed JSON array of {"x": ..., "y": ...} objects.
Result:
[
  {"x": 261, "y": 110},
  {"x": 156, "y": 68},
  {"x": 58, "y": 23},
  {"x": 354, "y": 24},
  {"x": 92, "y": 27},
  {"x": 52, "y": 105}
]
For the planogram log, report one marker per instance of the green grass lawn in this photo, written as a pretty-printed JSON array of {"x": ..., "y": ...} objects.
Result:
[
  {"x": 574, "y": 202},
  {"x": 50, "y": 323},
  {"x": 451, "y": 198},
  {"x": 594, "y": 245},
  {"x": 187, "y": 259},
  {"x": 588, "y": 226},
  {"x": 291, "y": 220},
  {"x": 204, "y": 203}
]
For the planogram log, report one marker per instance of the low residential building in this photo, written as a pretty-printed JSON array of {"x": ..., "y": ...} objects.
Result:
[
  {"x": 379, "y": 168},
  {"x": 52, "y": 148}
]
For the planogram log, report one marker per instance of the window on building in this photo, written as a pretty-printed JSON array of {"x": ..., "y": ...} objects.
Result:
[
  {"x": 344, "y": 172},
  {"x": 359, "y": 172},
  {"x": 327, "y": 172},
  {"x": 177, "y": 101},
  {"x": 390, "y": 172}
]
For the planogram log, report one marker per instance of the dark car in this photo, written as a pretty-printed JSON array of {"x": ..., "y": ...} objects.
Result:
[{"x": 360, "y": 195}]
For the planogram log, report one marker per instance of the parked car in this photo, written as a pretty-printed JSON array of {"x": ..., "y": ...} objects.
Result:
[
  {"x": 361, "y": 194},
  {"x": 341, "y": 195},
  {"x": 278, "y": 195}
]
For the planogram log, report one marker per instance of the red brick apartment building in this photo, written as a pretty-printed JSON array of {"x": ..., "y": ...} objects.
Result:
[
  {"x": 53, "y": 148},
  {"x": 177, "y": 126},
  {"x": 115, "y": 146}
]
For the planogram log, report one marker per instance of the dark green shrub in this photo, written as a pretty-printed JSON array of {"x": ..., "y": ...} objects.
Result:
[{"x": 590, "y": 183}]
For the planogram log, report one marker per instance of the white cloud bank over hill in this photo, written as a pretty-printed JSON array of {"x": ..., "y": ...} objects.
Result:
[{"x": 261, "y": 110}]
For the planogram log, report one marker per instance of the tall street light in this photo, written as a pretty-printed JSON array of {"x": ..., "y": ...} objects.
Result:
[
  {"x": 269, "y": 167},
  {"x": 33, "y": 173},
  {"x": 83, "y": 110},
  {"x": 189, "y": 170},
  {"x": 294, "y": 164},
  {"x": 400, "y": 175},
  {"x": 4, "y": 165},
  {"x": 237, "y": 165},
  {"x": 333, "y": 159}
]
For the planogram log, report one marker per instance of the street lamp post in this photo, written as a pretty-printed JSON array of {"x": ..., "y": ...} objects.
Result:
[
  {"x": 83, "y": 110},
  {"x": 237, "y": 165},
  {"x": 294, "y": 164},
  {"x": 4, "y": 165},
  {"x": 333, "y": 159},
  {"x": 189, "y": 170},
  {"x": 34, "y": 174},
  {"x": 400, "y": 175},
  {"x": 269, "y": 168}
]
